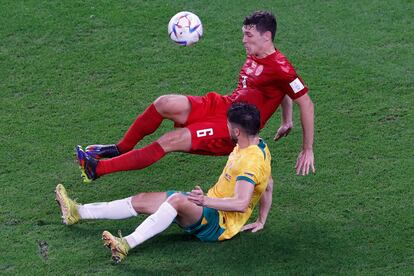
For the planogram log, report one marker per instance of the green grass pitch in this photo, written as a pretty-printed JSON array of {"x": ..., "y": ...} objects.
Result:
[{"x": 78, "y": 72}]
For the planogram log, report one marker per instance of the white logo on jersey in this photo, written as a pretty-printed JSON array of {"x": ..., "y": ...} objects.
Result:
[
  {"x": 204, "y": 132},
  {"x": 251, "y": 68},
  {"x": 296, "y": 85},
  {"x": 259, "y": 70},
  {"x": 244, "y": 81}
]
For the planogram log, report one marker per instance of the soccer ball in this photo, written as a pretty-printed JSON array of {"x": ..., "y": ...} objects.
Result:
[{"x": 185, "y": 28}]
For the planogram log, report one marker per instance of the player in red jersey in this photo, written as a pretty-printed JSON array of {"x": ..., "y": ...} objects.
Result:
[{"x": 267, "y": 79}]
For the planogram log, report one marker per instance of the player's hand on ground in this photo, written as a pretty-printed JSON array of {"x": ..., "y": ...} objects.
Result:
[
  {"x": 305, "y": 162},
  {"x": 253, "y": 227},
  {"x": 196, "y": 196},
  {"x": 283, "y": 131}
]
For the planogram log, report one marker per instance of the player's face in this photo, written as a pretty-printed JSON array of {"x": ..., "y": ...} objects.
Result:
[
  {"x": 234, "y": 132},
  {"x": 253, "y": 41}
]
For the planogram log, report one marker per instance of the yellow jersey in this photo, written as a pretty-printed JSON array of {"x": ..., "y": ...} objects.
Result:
[{"x": 251, "y": 164}]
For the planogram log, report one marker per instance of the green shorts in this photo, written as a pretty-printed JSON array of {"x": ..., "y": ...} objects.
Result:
[{"x": 207, "y": 228}]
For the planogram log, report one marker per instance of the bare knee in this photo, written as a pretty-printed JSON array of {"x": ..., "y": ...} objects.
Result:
[
  {"x": 173, "y": 107},
  {"x": 177, "y": 200},
  {"x": 162, "y": 102}
]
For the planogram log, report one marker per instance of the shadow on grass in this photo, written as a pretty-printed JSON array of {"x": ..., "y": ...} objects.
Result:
[{"x": 305, "y": 247}]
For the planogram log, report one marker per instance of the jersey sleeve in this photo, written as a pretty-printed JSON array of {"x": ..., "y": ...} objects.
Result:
[
  {"x": 250, "y": 171},
  {"x": 293, "y": 86},
  {"x": 287, "y": 79}
]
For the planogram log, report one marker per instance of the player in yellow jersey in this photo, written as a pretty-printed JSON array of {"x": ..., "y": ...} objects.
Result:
[{"x": 217, "y": 216}]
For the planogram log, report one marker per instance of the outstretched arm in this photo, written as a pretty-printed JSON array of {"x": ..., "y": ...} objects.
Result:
[
  {"x": 305, "y": 161},
  {"x": 287, "y": 121},
  {"x": 265, "y": 204},
  {"x": 238, "y": 203}
]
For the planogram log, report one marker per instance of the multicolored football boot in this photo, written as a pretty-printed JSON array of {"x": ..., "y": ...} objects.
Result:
[
  {"x": 87, "y": 165},
  {"x": 119, "y": 246},
  {"x": 68, "y": 207},
  {"x": 102, "y": 151}
]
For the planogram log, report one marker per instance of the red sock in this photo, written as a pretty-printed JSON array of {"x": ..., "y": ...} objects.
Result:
[
  {"x": 132, "y": 160},
  {"x": 146, "y": 123}
]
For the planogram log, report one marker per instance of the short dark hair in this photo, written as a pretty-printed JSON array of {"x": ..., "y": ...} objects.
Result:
[
  {"x": 246, "y": 116},
  {"x": 263, "y": 20}
]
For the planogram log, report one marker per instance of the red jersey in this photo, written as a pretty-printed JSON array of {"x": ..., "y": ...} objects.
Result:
[{"x": 265, "y": 81}]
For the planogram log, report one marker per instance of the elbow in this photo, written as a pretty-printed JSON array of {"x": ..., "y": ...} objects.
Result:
[
  {"x": 242, "y": 206},
  {"x": 269, "y": 188}
]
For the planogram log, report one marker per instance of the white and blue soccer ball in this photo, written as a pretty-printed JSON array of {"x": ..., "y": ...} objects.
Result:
[{"x": 185, "y": 28}]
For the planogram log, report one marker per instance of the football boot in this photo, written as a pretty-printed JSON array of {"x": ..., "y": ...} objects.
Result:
[
  {"x": 87, "y": 165},
  {"x": 119, "y": 246},
  {"x": 102, "y": 151}
]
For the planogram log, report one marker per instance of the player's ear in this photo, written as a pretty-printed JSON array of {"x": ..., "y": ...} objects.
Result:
[
  {"x": 237, "y": 131},
  {"x": 268, "y": 35}
]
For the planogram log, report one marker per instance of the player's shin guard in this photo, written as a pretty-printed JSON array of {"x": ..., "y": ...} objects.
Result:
[
  {"x": 133, "y": 160},
  {"x": 117, "y": 209},
  {"x": 152, "y": 225},
  {"x": 145, "y": 124}
]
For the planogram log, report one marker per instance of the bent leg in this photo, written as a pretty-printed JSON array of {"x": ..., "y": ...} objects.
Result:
[
  {"x": 188, "y": 213},
  {"x": 172, "y": 107},
  {"x": 177, "y": 140},
  {"x": 176, "y": 206}
]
